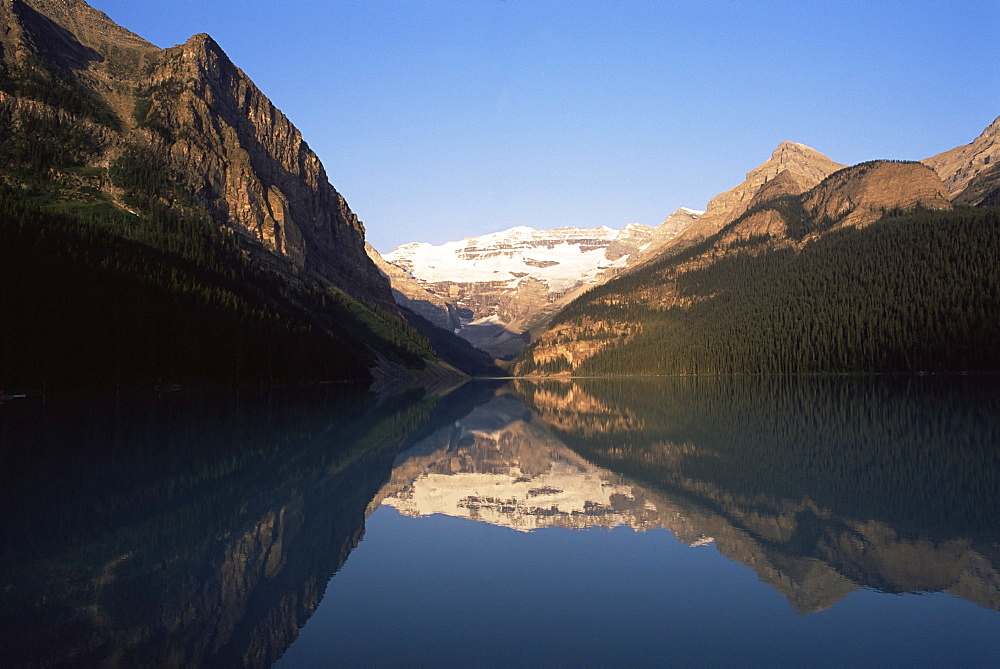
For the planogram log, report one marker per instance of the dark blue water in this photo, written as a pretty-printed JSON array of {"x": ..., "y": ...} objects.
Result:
[{"x": 693, "y": 522}]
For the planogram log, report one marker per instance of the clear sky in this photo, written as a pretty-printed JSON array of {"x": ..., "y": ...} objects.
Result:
[{"x": 439, "y": 120}]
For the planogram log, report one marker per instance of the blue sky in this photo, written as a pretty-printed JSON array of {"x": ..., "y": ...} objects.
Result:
[{"x": 444, "y": 119}]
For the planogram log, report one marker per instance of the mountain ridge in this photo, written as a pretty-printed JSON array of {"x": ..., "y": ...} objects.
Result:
[
  {"x": 959, "y": 166},
  {"x": 653, "y": 307},
  {"x": 800, "y": 168},
  {"x": 167, "y": 178},
  {"x": 494, "y": 288},
  {"x": 187, "y": 110}
]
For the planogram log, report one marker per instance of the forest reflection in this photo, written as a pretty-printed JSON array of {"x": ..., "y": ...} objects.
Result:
[
  {"x": 820, "y": 484},
  {"x": 202, "y": 529},
  {"x": 186, "y": 530}
]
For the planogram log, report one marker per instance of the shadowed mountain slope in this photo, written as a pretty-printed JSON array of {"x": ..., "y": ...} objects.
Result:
[{"x": 165, "y": 222}]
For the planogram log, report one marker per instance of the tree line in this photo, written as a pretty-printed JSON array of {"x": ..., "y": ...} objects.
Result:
[{"x": 914, "y": 292}]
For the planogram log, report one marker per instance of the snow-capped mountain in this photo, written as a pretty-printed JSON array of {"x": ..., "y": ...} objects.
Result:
[
  {"x": 560, "y": 258},
  {"x": 503, "y": 283}
]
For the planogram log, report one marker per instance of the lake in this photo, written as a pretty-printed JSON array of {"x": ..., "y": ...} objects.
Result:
[{"x": 709, "y": 521}]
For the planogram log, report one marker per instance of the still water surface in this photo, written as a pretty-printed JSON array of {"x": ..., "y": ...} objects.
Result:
[{"x": 712, "y": 521}]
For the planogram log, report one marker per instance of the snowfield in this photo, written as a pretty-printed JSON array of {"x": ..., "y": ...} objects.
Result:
[{"x": 562, "y": 258}]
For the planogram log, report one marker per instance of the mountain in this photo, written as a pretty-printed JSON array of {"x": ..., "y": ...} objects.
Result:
[
  {"x": 869, "y": 270},
  {"x": 958, "y": 167},
  {"x": 983, "y": 190},
  {"x": 408, "y": 292},
  {"x": 190, "y": 113},
  {"x": 494, "y": 288},
  {"x": 852, "y": 197},
  {"x": 168, "y": 222},
  {"x": 792, "y": 169}
]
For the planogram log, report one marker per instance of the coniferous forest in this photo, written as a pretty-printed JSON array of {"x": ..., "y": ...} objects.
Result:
[
  {"x": 915, "y": 292},
  {"x": 98, "y": 296},
  {"x": 103, "y": 298},
  {"x": 115, "y": 275},
  {"x": 149, "y": 290}
]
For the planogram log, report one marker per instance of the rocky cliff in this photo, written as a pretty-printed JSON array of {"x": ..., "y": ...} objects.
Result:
[
  {"x": 959, "y": 166},
  {"x": 851, "y": 197},
  {"x": 792, "y": 169},
  {"x": 188, "y": 116},
  {"x": 860, "y": 195},
  {"x": 408, "y": 292}
]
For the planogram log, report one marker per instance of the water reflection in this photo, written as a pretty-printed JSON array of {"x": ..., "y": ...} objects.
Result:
[
  {"x": 196, "y": 530},
  {"x": 821, "y": 486},
  {"x": 498, "y": 466},
  {"x": 183, "y": 531}
]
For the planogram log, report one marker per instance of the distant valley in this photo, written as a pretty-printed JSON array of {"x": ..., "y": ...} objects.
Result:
[{"x": 492, "y": 289}]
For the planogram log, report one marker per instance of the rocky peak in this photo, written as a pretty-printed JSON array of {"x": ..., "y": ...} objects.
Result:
[
  {"x": 798, "y": 168},
  {"x": 259, "y": 177},
  {"x": 804, "y": 164},
  {"x": 677, "y": 222},
  {"x": 783, "y": 184},
  {"x": 190, "y": 112},
  {"x": 959, "y": 166},
  {"x": 78, "y": 39},
  {"x": 635, "y": 229},
  {"x": 78, "y": 21},
  {"x": 632, "y": 237},
  {"x": 854, "y": 196},
  {"x": 788, "y": 147},
  {"x": 664, "y": 235},
  {"x": 993, "y": 129}
]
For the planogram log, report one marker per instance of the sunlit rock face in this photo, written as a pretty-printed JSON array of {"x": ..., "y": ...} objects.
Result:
[
  {"x": 503, "y": 284},
  {"x": 793, "y": 168},
  {"x": 740, "y": 222},
  {"x": 959, "y": 166},
  {"x": 192, "y": 115}
]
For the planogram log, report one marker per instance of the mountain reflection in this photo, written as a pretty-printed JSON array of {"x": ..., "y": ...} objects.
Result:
[
  {"x": 497, "y": 466},
  {"x": 183, "y": 531},
  {"x": 820, "y": 486},
  {"x": 200, "y": 530}
]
